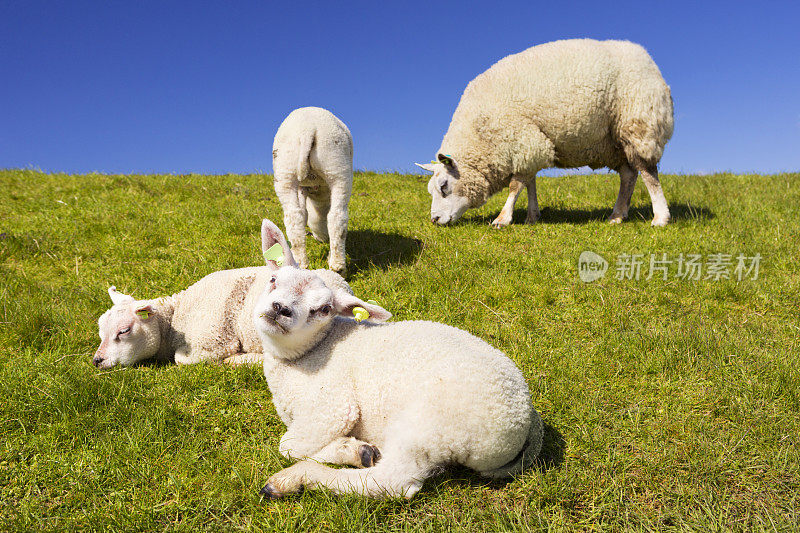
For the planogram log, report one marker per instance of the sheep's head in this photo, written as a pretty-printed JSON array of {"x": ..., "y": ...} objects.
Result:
[
  {"x": 129, "y": 332},
  {"x": 448, "y": 198},
  {"x": 297, "y": 308}
]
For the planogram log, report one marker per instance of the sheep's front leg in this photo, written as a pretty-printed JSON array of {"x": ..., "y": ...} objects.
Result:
[
  {"x": 627, "y": 182},
  {"x": 386, "y": 479},
  {"x": 506, "y": 214},
  {"x": 294, "y": 217},
  {"x": 337, "y": 224}
]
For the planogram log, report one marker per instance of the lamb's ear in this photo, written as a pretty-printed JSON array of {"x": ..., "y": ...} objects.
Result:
[
  {"x": 344, "y": 304},
  {"x": 275, "y": 256},
  {"x": 144, "y": 311},
  {"x": 430, "y": 167},
  {"x": 117, "y": 297}
]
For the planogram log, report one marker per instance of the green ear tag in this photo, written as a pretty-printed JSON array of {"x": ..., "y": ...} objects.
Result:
[
  {"x": 143, "y": 313},
  {"x": 274, "y": 253},
  {"x": 360, "y": 314}
]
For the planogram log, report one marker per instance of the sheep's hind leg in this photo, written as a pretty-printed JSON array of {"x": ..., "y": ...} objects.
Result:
[
  {"x": 318, "y": 206},
  {"x": 294, "y": 217},
  {"x": 348, "y": 451},
  {"x": 506, "y": 214},
  {"x": 533, "y": 203},
  {"x": 660, "y": 208},
  {"x": 386, "y": 479},
  {"x": 337, "y": 224},
  {"x": 627, "y": 182}
]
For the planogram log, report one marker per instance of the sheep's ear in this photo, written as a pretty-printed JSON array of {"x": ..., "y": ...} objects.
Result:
[
  {"x": 117, "y": 297},
  {"x": 144, "y": 311},
  {"x": 274, "y": 246},
  {"x": 430, "y": 167},
  {"x": 446, "y": 160},
  {"x": 348, "y": 305}
]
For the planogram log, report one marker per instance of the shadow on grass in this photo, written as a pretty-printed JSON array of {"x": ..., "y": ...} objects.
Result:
[
  {"x": 551, "y": 215},
  {"x": 367, "y": 248},
  {"x": 551, "y": 457}
]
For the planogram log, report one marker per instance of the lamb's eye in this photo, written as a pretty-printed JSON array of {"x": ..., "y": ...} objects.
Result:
[
  {"x": 443, "y": 188},
  {"x": 124, "y": 331},
  {"x": 325, "y": 309},
  {"x": 272, "y": 280}
]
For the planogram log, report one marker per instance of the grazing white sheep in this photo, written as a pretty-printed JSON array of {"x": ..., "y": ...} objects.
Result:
[
  {"x": 562, "y": 104},
  {"x": 402, "y": 399},
  {"x": 312, "y": 160},
  {"x": 209, "y": 321}
]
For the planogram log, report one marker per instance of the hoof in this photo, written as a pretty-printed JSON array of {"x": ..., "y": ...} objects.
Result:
[
  {"x": 270, "y": 492},
  {"x": 660, "y": 222},
  {"x": 369, "y": 455},
  {"x": 499, "y": 225},
  {"x": 532, "y": 220},
  {"x": 615, "y": 220}
]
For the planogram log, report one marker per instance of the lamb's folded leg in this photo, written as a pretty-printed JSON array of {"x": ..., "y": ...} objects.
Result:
[
  {"x": 387, "y": 479},
  {"x": 348, "y": 451},
  {"x": 506, "y": 214}
]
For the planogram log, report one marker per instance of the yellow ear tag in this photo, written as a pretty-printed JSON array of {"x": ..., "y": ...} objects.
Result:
[
  {"x": 274, "y": 253},
  {"x": 143, "y": 313},
  {"x": 360, "y": 314}
]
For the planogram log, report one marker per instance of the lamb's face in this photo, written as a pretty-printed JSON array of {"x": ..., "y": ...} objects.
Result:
[
  {"x": 297, "y": 309},
  {"x": 447, "y": 204},
  {"x": 129, "y": 333},
  {"x": 296, "y": 302}
]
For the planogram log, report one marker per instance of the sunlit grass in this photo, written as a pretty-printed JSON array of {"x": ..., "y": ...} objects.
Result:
[{"x": 669, "y": 403}]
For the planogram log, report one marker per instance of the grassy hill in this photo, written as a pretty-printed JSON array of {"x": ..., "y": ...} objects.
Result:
[{"x": 669, "y": 403}]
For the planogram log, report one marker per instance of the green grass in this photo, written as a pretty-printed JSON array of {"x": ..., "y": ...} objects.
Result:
[{"x": 669, "y": 404}]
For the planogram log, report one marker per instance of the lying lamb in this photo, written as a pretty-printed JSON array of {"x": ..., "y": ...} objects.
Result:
[
  {"x": 562, "y": 104},
  {"x": 209, "y": 321},
  {"x": 312, "y": 159},
  {"x": 409, "y": 396}
]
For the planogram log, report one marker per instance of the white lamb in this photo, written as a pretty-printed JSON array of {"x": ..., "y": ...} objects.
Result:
[
  {"x": 312, "y": 160},
  {"x": 562, "y": 104},
  {"x": 209, "y": 321},
  {"x": 402, "y": 399}
]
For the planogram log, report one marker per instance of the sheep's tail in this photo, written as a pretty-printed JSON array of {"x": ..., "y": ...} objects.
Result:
[
  {"x": 306, "y": 144},
  {"x": 526, "y": 457}
]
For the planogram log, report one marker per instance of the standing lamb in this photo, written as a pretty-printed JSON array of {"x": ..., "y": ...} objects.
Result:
[
  {"x": 209, "y": 321},
  {"x": 563, "y": 104},
  {"x": 402, "y": 399},
  {"x": 312, "y": 159}
]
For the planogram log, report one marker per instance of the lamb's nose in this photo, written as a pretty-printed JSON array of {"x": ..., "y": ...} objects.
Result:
[
  {"x": 97, "y": 360},
  {"x": 281, "y": 309},
  {"x": 434, "y": 219}
]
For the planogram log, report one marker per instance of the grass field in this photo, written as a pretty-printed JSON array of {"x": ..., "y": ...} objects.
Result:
[{"x": 669, "y": 404}]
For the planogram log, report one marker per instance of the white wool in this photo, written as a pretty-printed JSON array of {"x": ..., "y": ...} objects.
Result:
[
  {"x": 563, "y": 104},
  {"x": 312, "y": 160},
  {"x": 424, "y": 394}
]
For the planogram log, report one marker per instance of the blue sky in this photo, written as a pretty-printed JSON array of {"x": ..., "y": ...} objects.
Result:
[{"x": 178, "y": 87}]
